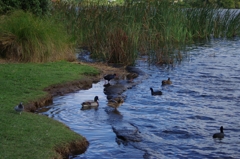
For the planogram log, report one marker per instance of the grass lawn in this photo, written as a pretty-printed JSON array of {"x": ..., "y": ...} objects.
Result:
[{"x": 30, "y": 135}]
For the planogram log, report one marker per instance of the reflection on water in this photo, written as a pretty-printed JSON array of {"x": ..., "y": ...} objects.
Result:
[{"x": 205, "y": 95}]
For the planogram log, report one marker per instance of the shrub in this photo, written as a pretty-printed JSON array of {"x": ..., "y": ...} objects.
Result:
[{"x": 37, "y": 7}]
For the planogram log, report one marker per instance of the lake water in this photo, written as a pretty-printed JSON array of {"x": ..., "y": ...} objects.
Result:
[{"x": 205, "y": 95}]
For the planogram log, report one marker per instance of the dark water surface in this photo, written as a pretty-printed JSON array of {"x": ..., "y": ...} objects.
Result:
[{"x": 205, "y": 95}]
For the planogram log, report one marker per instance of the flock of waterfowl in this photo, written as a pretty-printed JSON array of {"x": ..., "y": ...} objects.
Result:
[
  {"x": 114, "y": 102},
  {"x": 164, "y": 82},
  {"x": 168, "y": 81},
  {"x": 117, "y": 101}
]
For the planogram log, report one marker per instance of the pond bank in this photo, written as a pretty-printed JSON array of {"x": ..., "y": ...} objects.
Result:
[
  {"x": 81, "y": 84},
  {"x": 26, "y": 82},
  {"x": 123, "y": 74}
]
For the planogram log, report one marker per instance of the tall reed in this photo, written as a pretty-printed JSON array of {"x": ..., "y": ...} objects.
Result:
[
  {"x": 207, "y": 22},
  {"x": 165, "y": 31},
  {"x": 118, "y": 34}
]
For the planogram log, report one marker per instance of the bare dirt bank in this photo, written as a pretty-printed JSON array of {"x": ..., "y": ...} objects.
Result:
[{"x": 69, "y": 87}]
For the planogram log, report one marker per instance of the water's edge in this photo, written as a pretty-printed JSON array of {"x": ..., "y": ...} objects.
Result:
[{"x": 205, "y": 95}]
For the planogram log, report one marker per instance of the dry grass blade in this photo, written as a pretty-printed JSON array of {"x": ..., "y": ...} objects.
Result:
[{"x": 6, "y": 41}]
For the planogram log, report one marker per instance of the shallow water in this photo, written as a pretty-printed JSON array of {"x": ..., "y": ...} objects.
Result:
[{"x": 205, "y": 95}]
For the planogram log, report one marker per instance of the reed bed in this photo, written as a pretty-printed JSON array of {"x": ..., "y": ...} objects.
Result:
[
  {"x": 213, "y": 22},
  {"x": 120, "y": 33}
]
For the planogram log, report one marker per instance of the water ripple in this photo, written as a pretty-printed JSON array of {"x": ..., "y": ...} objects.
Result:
[{"x": 205, "y": 95}]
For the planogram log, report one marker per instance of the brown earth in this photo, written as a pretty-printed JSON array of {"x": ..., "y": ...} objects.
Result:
[{"x": 75, "y": 147}]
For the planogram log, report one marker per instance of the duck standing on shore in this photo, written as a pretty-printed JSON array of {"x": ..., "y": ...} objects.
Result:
[
  {"x": 154, "y": 93},
  {"x": 109, "y": 77},
  {"x": 166, "y": 82},
  {"x": 19, "y": 108},
  {"x": 219, "y": 135},
  {"x": 90, "y": 103}
]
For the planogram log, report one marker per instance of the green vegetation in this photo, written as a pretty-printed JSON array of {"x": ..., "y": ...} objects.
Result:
[
  {"x": 37, "y": 7},
  {"x": 119, "y": 33},
  {"x": 30, "y": 135},
  {"x": 113, "y": 33},
  {"x": 116, "y": 32},
  {"x": 25, "y": 37},
  {"x": 207, "y": 22},
  {"x": 186, "y": 3},
  {"x": 220, "y": 3}
]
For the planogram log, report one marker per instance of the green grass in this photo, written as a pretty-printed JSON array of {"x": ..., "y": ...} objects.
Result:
[{"x": 30, "y": 135}]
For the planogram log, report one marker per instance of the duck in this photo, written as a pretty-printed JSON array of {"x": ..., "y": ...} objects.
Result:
[
  {"x": 165, "y": 82},
  {"x": 19, "y": 108},
  {"x": 219, "y": 135},
  {"x": 109, "y": 77},
  {"x": 90, "y": 103},
  {"x": 115, "y": 102},
  {"x": 155, "y": 93},
  {"x": 131, "y": 76}
]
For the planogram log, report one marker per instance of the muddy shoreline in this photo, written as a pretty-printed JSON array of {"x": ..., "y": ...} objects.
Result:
[
  {"x": 78, "y": 147},
  {"x": 82, "y": 84}
]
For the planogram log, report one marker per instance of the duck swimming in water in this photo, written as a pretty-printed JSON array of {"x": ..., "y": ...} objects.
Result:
[
  {"x": 19, "y": 108},
  {"x": 165, "y": 82},
  {"x": 219, "y": 135},
  {"x": 90, "y": 103},
  {"x": 155, "y": 93},
  {"x": 115, "y": 102}
]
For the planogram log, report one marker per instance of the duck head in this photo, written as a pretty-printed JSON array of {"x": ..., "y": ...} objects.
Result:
[{"x": 96, "y": 99}]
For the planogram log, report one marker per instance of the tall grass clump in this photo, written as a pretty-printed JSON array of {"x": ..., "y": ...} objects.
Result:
[
  {"x": 114, "y": 37},
  {"x": 164, "y": 31},
  {"x": 117, "y": 34},
  {"x": 229, "y": 22},
  {"x": 104, "y": 30},
  {"x": 120, "y": 33},
  {"x": 200, "y": 21},
  {"x": 25, "y": 37}
]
